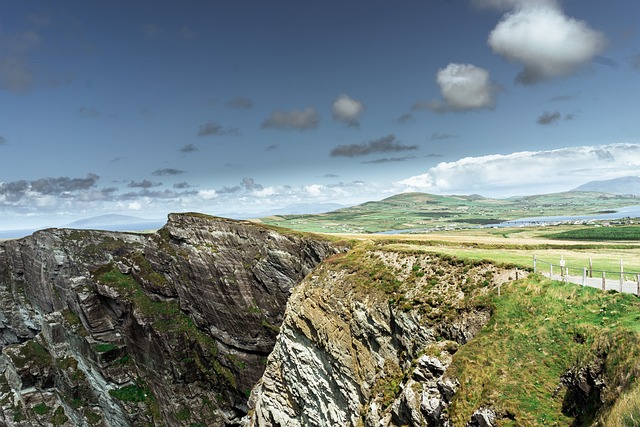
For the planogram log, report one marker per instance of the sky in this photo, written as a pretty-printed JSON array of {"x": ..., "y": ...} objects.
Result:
[{"x": 238, "y": 107}]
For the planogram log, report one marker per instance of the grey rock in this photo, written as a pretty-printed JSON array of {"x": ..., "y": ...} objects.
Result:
[{"x": 128, "y": 329}]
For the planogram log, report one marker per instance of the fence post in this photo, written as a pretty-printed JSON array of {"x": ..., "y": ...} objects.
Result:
[
  {"x": 604, "y": 281},
  {"x": 590, "y": 267},
  {"x": 535, "y": 267},
  {"x": 638, "y": 285},
  {"x": 584, "y": 276},
  {"x": 621, "y": 275},
  {"x": 551, "y": 271}
]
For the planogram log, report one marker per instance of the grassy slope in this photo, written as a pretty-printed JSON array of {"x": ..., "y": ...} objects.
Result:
[
  {"x": 540, "y": 329},
  {"x": 419, "y": 210}
]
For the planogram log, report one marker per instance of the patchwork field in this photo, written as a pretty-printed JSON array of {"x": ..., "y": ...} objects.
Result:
[{"x": 426, "y": 211}]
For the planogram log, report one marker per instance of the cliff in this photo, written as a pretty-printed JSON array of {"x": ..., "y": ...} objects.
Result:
[
  {"x": 367, "y": 340},
  {"x": 213, "y": 322},
  {"x": 172, "y": 328}
]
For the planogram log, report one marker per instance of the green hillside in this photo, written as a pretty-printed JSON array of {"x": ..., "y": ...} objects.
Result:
[{"x": 419, "y": 210}]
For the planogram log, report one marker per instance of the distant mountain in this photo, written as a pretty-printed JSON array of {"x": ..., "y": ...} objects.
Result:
[
  {"x": 624, "y": 185},
  {"x": 115, "y": 222},
  {"x": 298, "y": 209},
  {"x": 307, "y": 208}
]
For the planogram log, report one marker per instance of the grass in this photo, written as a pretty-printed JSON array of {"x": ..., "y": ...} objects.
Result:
[
  {"x": 602, "y": 259},
  {"x": 538, "y": 330},
  {"x": 41, "y": 409},
  {"x": 131, "y": 393},
  {"x": 167, "y": 318},
  {"x": 629, "y": 232},
  {"x": 419, "y": 210}
]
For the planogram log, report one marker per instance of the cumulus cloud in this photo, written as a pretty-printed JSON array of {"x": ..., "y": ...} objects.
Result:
[
  {"x": 463, "y": 87},
  {"x": 167, "y": 172},
  {"x": 189, "y": 148},
  {"x": 549, "y": 117},
  {"x": 240, "y": 102},
  {"x": 385, "y": 144},
  {"x": 229, "y": 190},
  {"x": 145, "y": 193},
  {"x": 306, "y": 119},
  {"x": 544, "y": 40},
  {"x": 181, "y": 185},
  {"x": 143, "y": 184},
  {"x": 389, "y": 160},
  {"x": 63, "y": 186},
  {"x": 440, "y": 135},
  {"x": 250, "y": 184},
  {"x": 505, "y": 5},
  {"x": 561, "y": 98},
  {"x": 272, "y": 147},
  {"x": 347, "y": 110},
  {"x": 265, "y": 192},
  {"x": 528, "y": 172},
  {"x": 207, "y": 194},
  {"x": 212, "y": 128},
  {"x": 405, "y": 118}
]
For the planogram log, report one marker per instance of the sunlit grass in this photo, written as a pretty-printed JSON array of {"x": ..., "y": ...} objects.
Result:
[{"x": 539, "y": 329}]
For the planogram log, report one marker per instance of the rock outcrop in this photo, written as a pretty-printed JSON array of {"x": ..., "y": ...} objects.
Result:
[
  {"x": 367, "y": 339},
  {"x": 172, "y": 328},
  {"x": 214, "y": 322}
]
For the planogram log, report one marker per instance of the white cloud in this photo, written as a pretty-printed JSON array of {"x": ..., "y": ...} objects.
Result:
[
  {"x": 511, "y": 4},
  {"x": 347, "y": 110},
  {"x": 134, "y": 206},
  {"x": 292, "y": 120},
  {"x": 528, "y": 172},
  {"x": 463, "y": 87},
  {"x": 315, "y": 190},
  {"x": 265, "y": 192},
  {"x": 207, "y": 194},
  {"x": 548, "y": 43}
]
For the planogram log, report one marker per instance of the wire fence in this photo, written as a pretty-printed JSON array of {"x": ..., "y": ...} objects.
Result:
[{"x": 621, "y": 281}]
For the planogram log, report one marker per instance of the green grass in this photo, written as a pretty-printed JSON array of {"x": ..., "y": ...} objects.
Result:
[
  {"x": 538, "y": 330},
  {"x": 167, "y": 318},
  {"x": 420, "y": 210},
  {"x": 606, "y": 259},
  {"x": 130, "y": 393},
  {"x": 630, "y": 232},
  {"x": 105, "y": 347},
  {"x": 41, "y": 409}
]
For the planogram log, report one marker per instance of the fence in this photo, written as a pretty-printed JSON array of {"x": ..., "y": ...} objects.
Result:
[{"x": 621, "y": 281}]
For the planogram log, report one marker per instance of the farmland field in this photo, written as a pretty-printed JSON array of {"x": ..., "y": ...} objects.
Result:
[{"x": 426, "y": 211}]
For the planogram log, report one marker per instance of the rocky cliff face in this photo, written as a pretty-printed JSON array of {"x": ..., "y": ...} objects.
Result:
[
  {"x": 367, "y": 339},
  {"x": 172, "y": 328}
]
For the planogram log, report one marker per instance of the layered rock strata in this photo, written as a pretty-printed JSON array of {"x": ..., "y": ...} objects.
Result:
[
  {"x": 367, "y": 339},
  {"x": 171, "y": 328}
]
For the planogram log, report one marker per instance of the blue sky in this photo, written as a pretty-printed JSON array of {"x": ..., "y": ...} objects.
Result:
[{"x": 150, "y": 107}]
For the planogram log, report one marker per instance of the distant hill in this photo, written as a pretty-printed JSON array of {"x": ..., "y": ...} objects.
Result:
[
  {"x": 115, "y": 222},
  {"x": 422, "y": 211},
  {"x": 298, "y": 209},
  {"x": 624, "y": 185}
]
